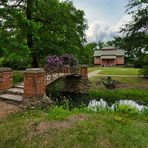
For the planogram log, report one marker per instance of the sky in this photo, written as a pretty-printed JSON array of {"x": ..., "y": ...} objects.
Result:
[{"x": 104, "y": 18}]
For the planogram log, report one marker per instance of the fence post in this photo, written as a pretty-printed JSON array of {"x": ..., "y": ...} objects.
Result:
[
  {"x": 5, "y": 78},
  {"x": 34, "y": 86}
]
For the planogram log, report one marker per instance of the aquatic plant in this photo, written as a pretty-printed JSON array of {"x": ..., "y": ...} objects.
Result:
[{"x": 124, "y": 106}]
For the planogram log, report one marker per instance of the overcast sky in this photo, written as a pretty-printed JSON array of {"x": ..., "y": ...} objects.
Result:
[{"x": 104, "y": 17}]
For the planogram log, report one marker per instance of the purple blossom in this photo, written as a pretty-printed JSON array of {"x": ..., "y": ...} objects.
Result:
[{"x": 54, "y": 61}]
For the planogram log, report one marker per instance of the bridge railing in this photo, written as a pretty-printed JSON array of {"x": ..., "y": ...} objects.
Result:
[
  {"x": 55, "y": 73},
  {"x": 52, "y": 74}
]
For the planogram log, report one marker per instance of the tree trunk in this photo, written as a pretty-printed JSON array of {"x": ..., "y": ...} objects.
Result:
[{"x": 34, "y": 54}]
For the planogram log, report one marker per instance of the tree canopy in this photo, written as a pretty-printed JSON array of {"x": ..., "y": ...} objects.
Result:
[
  {"x": 137, "y": 29},
  {"x": 33, "y": 29}
]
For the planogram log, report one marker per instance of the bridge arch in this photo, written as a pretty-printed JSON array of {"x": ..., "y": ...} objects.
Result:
[{"x": 36, "y": 79}]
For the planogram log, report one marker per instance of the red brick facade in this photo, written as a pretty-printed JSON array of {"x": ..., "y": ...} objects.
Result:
[
  {"x": 109, "y": 62},
  {"x": 34, "y": 84},
  {"x": 119, "y": 60},
  {"x": 5, "y": 78},
  {"x": 109, "y": 56}
]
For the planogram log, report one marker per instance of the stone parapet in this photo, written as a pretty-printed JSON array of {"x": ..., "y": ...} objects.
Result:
[
  {"x": 34, "y": 85},
  {"x": 66, "y": 69},
  {"x": 5, "y": 78},
  {"x": 84, "y": 72}
]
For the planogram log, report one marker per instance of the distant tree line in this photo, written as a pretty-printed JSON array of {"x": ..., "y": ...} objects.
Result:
[{"x": 30, "y": 30}]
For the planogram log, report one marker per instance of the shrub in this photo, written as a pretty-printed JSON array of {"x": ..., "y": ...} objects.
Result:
[
  {"x": 140, "y": 96},
  {"x": 16, "y": 64},
  {"x": 16, "y": 61},
  {"x": 109, "y": 83},
  {"x": 70, "y": 60},
  {"x": 123, "y": 108},
  {"x": 59, "y": 61},
  {"x": 17, "y": 77},
  {"x": 53, "y": 62},
  {"x": 144, "y": 70}
]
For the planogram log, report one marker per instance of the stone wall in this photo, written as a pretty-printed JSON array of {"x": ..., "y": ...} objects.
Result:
[{"x": 74, "y": 84}]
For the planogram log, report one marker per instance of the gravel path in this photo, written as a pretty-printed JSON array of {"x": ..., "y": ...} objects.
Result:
[
  {"x": 7, "y": 109},
  {"x": 129, "y": 76},
  {"x": 94, "y": 73}
]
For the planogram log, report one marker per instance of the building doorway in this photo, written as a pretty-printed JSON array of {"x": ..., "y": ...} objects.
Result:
[{"x": 108, "y": 62}]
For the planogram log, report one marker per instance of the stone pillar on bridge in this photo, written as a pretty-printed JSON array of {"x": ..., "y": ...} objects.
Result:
[
  {"x": 76, "y": 83},
  {"x": 34, "y": 86},
  {"x": 84, "y": 72},
  {"x": 5, "y": 78},
  {"x": 66, "y": 69}
]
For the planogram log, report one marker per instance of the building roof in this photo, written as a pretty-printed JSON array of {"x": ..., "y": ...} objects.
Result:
[
  {"x": 108, "y": 48},
  {"x": 109, "y": 51}
]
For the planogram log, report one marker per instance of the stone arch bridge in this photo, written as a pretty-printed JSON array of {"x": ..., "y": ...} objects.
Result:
[{"x": 32, "y": 91}]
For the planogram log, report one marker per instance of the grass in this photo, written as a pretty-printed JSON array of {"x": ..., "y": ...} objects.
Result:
[
  {"x": 138, "y": 95},
  {"x": 64, "y": 128},
  {"x": 38, "y": 128},
  {"x": 18, "y": 76},
  {"x": 128, "y": 88},
  {"x": 120, "y": 71},
  {"x": 128, "y": 82},
  {"x": 91, "y": 69},
  {"x": 115, "y": 71}
]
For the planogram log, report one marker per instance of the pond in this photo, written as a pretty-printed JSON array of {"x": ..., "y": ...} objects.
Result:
[{"x": 96, "y": 103}]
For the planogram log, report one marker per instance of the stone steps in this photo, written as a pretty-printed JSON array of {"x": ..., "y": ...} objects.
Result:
[
  {"x": 20, "y": 86},
  {"x": 16, "y": 91},
  {"x": 11, "y": 98},
  {"x": 13, "y": 95}
]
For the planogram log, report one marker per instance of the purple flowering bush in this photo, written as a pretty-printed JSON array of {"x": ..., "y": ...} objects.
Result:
[
  {"x": 53, "y": 62},
  {"x": 70, "y": 60}
]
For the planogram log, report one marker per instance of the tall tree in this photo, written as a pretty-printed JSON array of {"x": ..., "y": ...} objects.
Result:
[
  {"x": 137, "y": 29},
  {"x": 86, "y": 53},
  {"x": 41, "y": 27},
  {"x": 124, "y": 43},
  {"x": 101, "y": 44}
]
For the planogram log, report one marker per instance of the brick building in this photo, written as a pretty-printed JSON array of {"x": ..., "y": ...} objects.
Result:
[{"x": 109, "y": 56}]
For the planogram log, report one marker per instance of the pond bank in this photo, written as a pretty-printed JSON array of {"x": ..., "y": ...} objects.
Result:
[{"x": 110, "y": 96}]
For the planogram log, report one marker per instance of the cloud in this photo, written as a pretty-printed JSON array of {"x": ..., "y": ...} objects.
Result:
[
  {"x": 124, "y": 20},
  {"x": 100, "y": 31}
]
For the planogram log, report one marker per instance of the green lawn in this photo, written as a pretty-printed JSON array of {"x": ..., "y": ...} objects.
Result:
[
  {"x": 130, "y": 82},
  {"x": 91, "y": 69},
  {"x": 77, "y": 129},
  {"x": 115, "y": 71},
  {"x": 126, "y": 88}
]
